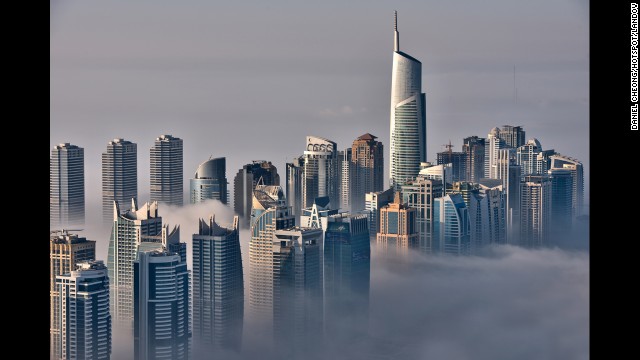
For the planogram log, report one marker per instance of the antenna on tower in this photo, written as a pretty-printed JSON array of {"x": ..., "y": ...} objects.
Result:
[{"x": 396, "y": 36}]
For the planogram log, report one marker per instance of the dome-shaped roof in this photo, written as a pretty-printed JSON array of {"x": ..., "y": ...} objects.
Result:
[{"x": 211, "y": 169}]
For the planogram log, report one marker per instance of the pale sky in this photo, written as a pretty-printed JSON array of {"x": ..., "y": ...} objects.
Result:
[{"x": 249, "y": 80}]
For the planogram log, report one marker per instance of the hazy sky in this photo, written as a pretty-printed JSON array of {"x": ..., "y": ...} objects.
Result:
[{"x": 250, "y": 79}]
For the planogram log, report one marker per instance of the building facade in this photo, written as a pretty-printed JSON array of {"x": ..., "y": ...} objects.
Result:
[
  {"x": 458, "y": 163},
  {"x": 119, "y": 175},
  {"x": 269, "y": 213},
  {"x": 259, "y": 171},
  {"x": 420, "y": 194},
  {"x": 166, "y": 170},
  {"x": 535, "y": 211},
  {"x": 473, "y": 148},
  {"x": 294, "y": 185},
  {"x": 135, "y": 230},
  {"x": 347, "y": 179},
  {"x": 65, "y": 251},
  {"x": 83, "y": 313},
  {"x": 561, "y": 203},
  {"x": 451, "y": 225},
  {"x": 297, "y": 291},
  {"x": 408, "y": 124},
  {"x": 347, "y": 268},
  {"x": 398, "y": 226},
  {"x": 210, "y": 181},
  {"x": 374, "y": 201},
  {"x": 559, "y": 161},
  {"x": 513, "y": 136},
  {"x": 321, "y": 171},
  {"x": 218, "y": 287},
  {"x": 66, "y": 186},
  {"x": 161, "y": 306},
  {"x": 367, "y": 157}
]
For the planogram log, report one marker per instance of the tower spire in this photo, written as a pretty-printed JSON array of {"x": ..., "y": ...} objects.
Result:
[{"x": 396, "y": 39}]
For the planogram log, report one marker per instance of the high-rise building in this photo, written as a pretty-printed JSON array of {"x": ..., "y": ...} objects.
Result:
[
  {"x": 65, "y": 251},
  {"x": 83, "y": 313},
  {"x": 442, "y": 173},
  {"x": 451, "y": 225},
  {"x": 527, "y": 157},
  {"x": 161, "y": 306},
  {"x": 246, "y": 180},
  {"x": 294, "y": 185},
  {"x": 166, "y": 171},
  {"x": 321, "y": 172},
  {"x": 210, "y": 181},
  {"x": 561, "y": 203},
  {"x": 398, "y": 225},
  {"x": 513, "y": 136},
  {"x": 478, "y": 212},
  {"x": 473, "y": 148},
  {"x": 347, "y": 267},
  {"x": 119, "y": 175},
  {"x": 66, "y": 185},
  {"x": 496, "y": 210},
  {"x": 269, "y": 213},
  {"x": 543, "y": 161},
  {"x": 420, "y": 194},
  {"x": 408, "y": 125},
  {"x": 297, "y": 291},
  {"x": 368, "y": 162},
  {"x": 347, "y": 178},
  {"x": 492, "y": 146},
  {"x": 316, "y": 215},
  {"x": 135, "y": 230},
  {"x": 374, "y": 201},
  {"x": 559, "y": 161},
  {"x": 218, "y": 287},
  {"x": 535, "y": 210},
  {"x": 458, "y": 163}
]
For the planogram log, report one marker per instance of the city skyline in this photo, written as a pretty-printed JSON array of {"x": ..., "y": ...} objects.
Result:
[
  {"x": 176, "y": 87},
  {"x": 542, "y": 72}
]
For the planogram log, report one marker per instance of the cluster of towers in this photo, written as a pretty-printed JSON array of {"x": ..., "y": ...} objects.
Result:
[{"x": 309, "y": 249}]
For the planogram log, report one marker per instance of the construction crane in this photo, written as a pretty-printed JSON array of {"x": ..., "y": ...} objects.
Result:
[{"x": 449, "y": 147}]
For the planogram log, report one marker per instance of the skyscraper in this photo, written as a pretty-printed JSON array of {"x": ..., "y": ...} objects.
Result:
[
  {"x": 246, "y": 180},
  {"x": 167, "y": 170},
  {"x": 210, "y": 181},
  {"x": 527, "y": 157},
  {"x": 473, "y": 147},
  {"x": 297, "y": 291},
  {"x": 561, "y": 203},
  {"x": 161, "y": 306},
  {"x": 218, "y": 287},
  {"x": 119, "y": 175},
  {"x": 398, "y": 225},
  {"x": 496, "y": 209},
  {"x": 321, "y": 174},
  {"x": 374, "y": 201},
  {"x": 559, "y": 161},
  {"x": 294, "y": 185},
  {"x": 367, "y": 158},
  {"x": 535, "y": 211},
  {"x": 408, "y": 125},
  {"x": 513, "y": 136},
  {"x": 492, "y": 146},
  {"x": 347, "y": 178},
  {"x": 451, "y": 225},
  {"x": 83, "y": 313},
  {"x": 420, "y": 194},
  {"x": 134, "y": 230},
  {"x": 65, "y": 251},
  {"x": 269, "y": 213},
  {"x": 457, "y": 160},
  {"x": 347, "y": 267},
  {"x": 66, "y": 185}
]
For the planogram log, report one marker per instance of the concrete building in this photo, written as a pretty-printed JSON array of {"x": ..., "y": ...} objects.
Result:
[
  {"x": 66, "y": 186},
  {"x": 368, "y": 162},
  {"x": 119, "y": 175},
  {"x": 166, "y": 170}
]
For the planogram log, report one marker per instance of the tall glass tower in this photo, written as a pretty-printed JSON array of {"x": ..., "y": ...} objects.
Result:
[
  {"x": 210, "y": 181},
  {"x": 66, "y": 184},
  {"x": 408, "y": 116},
  {"x": 166, "y": 170},
  {"x": 119, "y": 175},
  {"x": 218, "y": 287}
]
